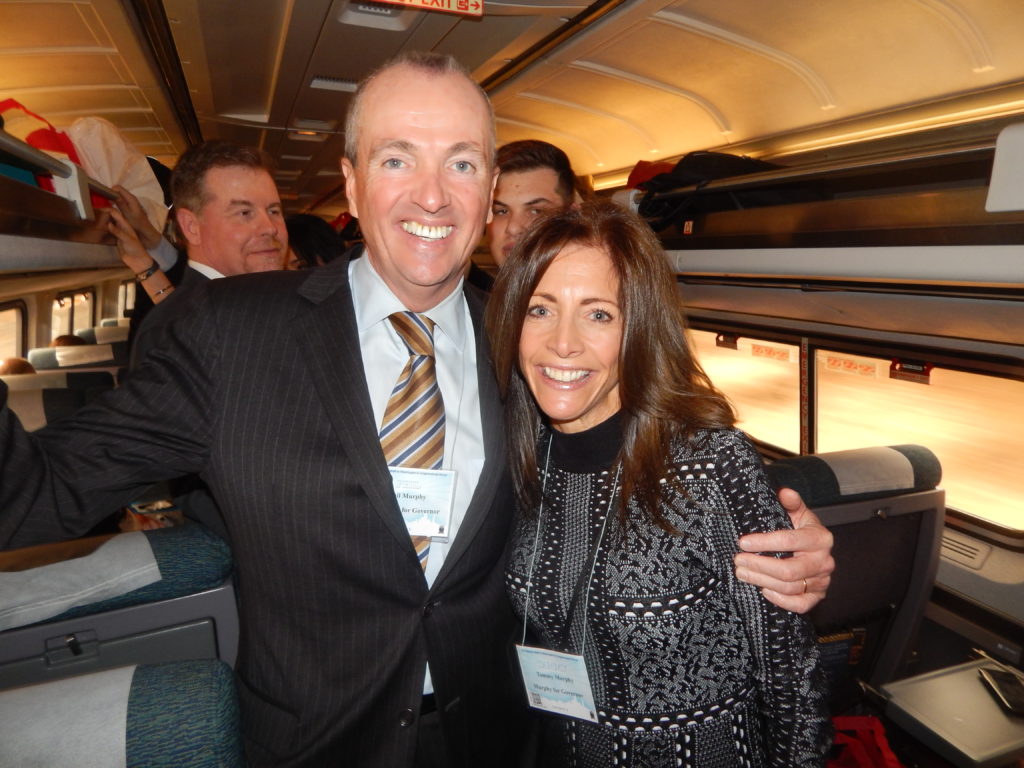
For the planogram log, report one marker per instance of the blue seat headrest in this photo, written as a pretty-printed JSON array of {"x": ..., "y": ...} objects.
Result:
[{"x": 862, "y": 473}]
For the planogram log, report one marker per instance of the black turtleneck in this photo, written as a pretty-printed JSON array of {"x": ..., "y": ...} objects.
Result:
[{"x": 591, "y": 450}]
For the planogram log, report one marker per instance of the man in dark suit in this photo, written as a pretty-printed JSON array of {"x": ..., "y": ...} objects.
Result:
[
  {"x": 229, "y": 214},
  {"x": 350, "y": 654}
]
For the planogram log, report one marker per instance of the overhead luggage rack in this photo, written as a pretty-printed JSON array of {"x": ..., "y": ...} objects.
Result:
[
  {"x": 38, "y": 160},
  {"x": 42, "y": 230},
  {"x": 921, "y": 199},
  {"x": 899, "y": 250},
  {"x": 970, "y": 154}
]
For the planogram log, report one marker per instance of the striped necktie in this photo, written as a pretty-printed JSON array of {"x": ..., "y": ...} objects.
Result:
[{"x": 412, "y": 434}]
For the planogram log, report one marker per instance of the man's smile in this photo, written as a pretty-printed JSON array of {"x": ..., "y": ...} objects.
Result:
[{"x": 427, "y": 232}]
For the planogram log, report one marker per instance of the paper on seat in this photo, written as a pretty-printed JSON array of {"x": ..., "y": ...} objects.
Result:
[
  {"x": 79, "y": 721},
  {"x": 120, "y": 565}
]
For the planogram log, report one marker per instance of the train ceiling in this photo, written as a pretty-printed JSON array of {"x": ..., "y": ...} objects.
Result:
[{"x": 610, "y": 82}]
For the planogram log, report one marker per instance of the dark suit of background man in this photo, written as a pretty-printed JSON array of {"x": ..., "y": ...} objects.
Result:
[
  {"x": 229, "y": 215},
  {"x": 270, "y": 389}
]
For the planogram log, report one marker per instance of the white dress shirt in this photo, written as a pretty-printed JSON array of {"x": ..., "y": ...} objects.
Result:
[
  {"x": 205, "y": 269},
  {"x": 165, "y": 255},
  {"x": 384, "y": 357}
]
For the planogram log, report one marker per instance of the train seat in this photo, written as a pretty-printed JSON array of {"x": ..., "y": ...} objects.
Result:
[
  {"x": 102, "y": 334},
  {"x": 106, "y": 322},
  {"x": 182, "y": 714},
  {"x": 44, "y": 397},
  {"x": 91, "y": 604},
  {"x": 884, "y": 508},
  {"x": 94, "y": 381},
  {"x": 112, "y": 355}
]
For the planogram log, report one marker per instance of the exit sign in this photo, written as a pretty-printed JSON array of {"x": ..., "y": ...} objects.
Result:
[{"x": 465, "y": 7}]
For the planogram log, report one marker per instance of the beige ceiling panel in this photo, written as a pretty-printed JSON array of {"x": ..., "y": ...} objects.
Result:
[
  {"x": 484, "y": 44},
  {"x": 507, "y": 36},
  {"x": 435, "y": 31},
  {"x": 913, "y": 51},
  {"x": 321, "y": 105},
  {"x": 125, "y": 120},
  {"x": 93, "y": 100},
  {"x": 239, "y": 133},
  {"x": 68, "y": 25},
  {"x": 639, "y": 119},
  {"x": 241, "y": 50},
  {"x": 33, "y": 71},
  {"x": 142, "y": 139},
  {"x": 67, "y": 60},
  {"x": 137, "y": 69},
  {"x": 747, "y": 70},
  {"x": 1001, "y": 23},
  {"x": 742, "y": 93},
  {"x": 163, "y": 152}
]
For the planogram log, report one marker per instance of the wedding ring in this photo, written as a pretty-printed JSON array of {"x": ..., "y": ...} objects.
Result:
[{"x": 805, "y": 587}]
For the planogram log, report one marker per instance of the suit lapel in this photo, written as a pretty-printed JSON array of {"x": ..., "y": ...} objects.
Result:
[
  {"x": 493, "y": 422},
  {"x": 329, "y": 339}
]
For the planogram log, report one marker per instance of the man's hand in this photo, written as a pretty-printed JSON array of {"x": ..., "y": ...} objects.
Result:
[
  {"x": 129, "y": 205},
  {"x": 129, "y": 247},
  {"x": 796, "y": 583}
]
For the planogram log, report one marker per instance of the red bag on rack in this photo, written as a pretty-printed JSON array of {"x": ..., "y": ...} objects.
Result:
[{"x": 38, "y": 132}]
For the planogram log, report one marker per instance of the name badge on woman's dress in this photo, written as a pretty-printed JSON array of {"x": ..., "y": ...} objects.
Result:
[
  {"x": 425, "y": 497},
  {"x": 557, "y": 682}
]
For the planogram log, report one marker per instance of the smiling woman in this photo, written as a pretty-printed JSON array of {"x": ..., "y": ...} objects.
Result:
[
  {"x": 572, "y": 334},
  {"x": 656, "y": 375},
  {"x": 641, "y": 469}
]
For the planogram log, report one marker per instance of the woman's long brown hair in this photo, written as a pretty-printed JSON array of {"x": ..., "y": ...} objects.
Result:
[{"x": 663, "y": 390}]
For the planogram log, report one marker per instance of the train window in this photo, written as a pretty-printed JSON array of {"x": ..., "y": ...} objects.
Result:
[
  {"x": 761, "y": 378},
  {"x": 126, "y": 298},
  {"x": 967, "y": 419},
  {"x": 72, "y": 312},
  {"x": 82, "y": 317},
  {"x": 12, "y": 329}
]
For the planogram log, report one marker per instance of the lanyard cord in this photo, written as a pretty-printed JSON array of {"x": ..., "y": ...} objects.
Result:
[
  {"x": 536, "y": 540},
  {"x": 593, "y": 558}
]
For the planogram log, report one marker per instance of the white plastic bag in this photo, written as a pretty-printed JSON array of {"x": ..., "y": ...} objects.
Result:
[{"x": 110, "y": 158}]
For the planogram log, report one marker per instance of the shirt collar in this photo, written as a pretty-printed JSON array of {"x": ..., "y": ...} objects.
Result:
[
  {"x": 205, "y": 269},
  {"x": 374, "y": 302}
]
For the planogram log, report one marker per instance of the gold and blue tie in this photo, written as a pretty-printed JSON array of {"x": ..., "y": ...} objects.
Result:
[{"x": 412, "y": 433}]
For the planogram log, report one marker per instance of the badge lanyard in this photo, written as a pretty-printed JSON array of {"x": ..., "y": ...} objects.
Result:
[{"x": 558, "y": 682}]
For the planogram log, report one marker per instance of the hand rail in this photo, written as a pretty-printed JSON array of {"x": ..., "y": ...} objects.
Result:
[{"x": 40, "y": 161}]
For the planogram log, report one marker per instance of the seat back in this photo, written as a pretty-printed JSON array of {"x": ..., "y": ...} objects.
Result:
[
  {"x": 95, "y": 381},
  {"x": 38, "y": 407},
  {"x": 184, "y": 610},
  {"x": 41, "y": 398},
  {"x": 110, "y": 355},
  {"x": 104, "y": 334},
  {"x": 182, "y": 714},
  {"x": 886, "y": 515}
]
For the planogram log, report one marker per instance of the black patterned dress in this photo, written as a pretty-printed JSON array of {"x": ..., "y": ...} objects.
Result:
[{"x": 690, "y": 668}]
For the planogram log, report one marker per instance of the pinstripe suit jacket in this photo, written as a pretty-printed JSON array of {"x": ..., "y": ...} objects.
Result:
[
  {"x": 261, "y": 390},
  {"x": 190, "y": 492},
  {"x": 174, "y": 306}
]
